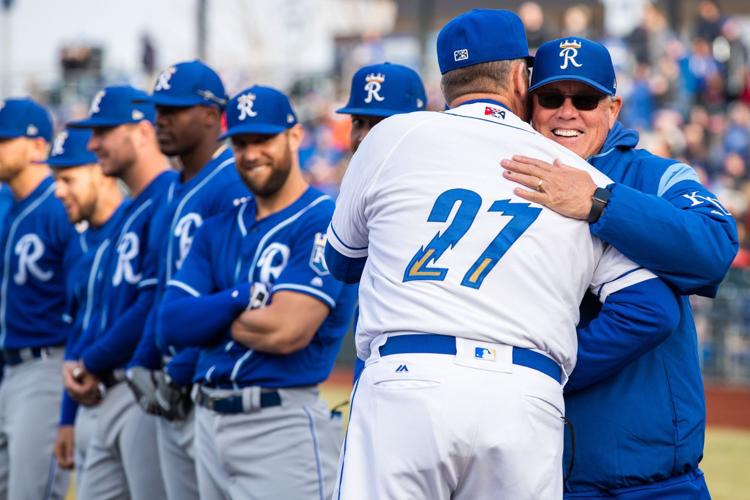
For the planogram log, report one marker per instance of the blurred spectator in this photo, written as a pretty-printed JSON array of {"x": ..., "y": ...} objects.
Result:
[
  {"x": 532, "y": 15},
  {"x": 577, "y": 21},
  {"x": 708, "y": 23}
]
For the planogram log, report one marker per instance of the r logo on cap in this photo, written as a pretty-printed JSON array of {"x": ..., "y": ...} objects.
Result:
[
  {"x": 569, "y": 52},
  {"x": 245, "y": 105},
  {"x": 162, "y": 81},
  {"x": 96, "y": 102},
  {"x": 58, "y": 147},
  {"x": 373, "y": 86}
]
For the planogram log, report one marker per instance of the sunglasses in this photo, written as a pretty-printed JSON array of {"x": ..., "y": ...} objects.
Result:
[{"x": 582, "y": 102}]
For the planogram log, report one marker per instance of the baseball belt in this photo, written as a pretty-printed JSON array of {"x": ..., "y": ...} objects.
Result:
[
  {"x": 432, "y": 343},
  {"x": 239, "y": 402},
  {"x": 13, "y": 357}
]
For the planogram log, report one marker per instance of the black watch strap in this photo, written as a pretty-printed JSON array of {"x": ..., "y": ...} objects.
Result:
[{"x": 599, "y": 201}]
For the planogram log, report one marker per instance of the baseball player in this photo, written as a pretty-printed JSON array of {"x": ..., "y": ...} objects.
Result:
[
  {"x": 638, "y": 433},
  {"x": 121, "y": 460},
  {"x": 379, "y": 91},
  {"x": 189, "y": 99},
  {"x": 38, "y": 247},
  {"x": 255, "y": 294},
  {"x": 88, "y": 196},
  {"x": 469, "y": 295}
]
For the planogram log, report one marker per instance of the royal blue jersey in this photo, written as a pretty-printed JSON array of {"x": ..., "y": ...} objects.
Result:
[
  {"x": 6, "y": 200},
  {"x": 215, "y": 189},
  {"x": 284, "y": 252},
  {"x": 81, "y": 286},
  {"x": 39, "y": 246},
  {"x": 124, "y": 295}
]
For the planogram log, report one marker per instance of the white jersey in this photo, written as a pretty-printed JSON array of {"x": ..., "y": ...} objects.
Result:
[{"x": 451, "y": 250}]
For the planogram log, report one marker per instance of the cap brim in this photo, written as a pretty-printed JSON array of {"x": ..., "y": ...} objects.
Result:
[
  {"x": 98, "y": 122},
  {"x": 258, "y": 128},
  {"x": 172, "y": 101},
  {"x": 10, "y": 134},
  {"x": 383, "y": 113},
  {"x": 567, "y": 78},
  {"x": 68, "y": 163}
]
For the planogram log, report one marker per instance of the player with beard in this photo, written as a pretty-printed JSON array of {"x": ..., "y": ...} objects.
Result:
[{"x": 255, "y": 294}]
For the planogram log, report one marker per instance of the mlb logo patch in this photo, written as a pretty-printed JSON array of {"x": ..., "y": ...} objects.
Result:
[
  {"x": 460, "y": 55},
  {"x": 484, "y": 353},
  {"x": 494, "y": 112}
]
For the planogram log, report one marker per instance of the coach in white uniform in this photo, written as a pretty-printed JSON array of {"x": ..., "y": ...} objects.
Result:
[{"x": 469, "y": 295}]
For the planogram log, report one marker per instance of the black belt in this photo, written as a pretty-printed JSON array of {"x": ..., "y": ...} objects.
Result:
[
  {"x": 232, "y": 404},
  {"x": 112, "y": 378},
  {"x": 13, "y": 357}
]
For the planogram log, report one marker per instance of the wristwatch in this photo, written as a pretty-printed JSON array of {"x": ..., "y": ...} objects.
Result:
[{"x": 599, "y": 201}]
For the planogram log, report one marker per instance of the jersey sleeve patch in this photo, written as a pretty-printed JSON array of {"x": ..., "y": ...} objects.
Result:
[{"x": 317, "y": 256}]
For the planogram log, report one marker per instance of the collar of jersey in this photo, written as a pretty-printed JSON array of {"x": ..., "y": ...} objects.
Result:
[
  {"x": 36, "y": 193},
  {"x": 476, "y": 110},
  {"x": 305, "y": 199},
  {"x": 221, "y": 155},
  {"x": 157, "y": 186},
  {"x": 97, "y": 234},
  {"x": 485, "y": 101}
]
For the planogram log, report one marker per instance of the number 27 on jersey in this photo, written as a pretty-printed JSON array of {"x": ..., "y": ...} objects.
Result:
[{"x": 420, "y": 267}]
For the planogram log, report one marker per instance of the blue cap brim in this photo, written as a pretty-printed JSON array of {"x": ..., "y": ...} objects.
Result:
[
  {"x": 258, "y": 128},
  {"x": 68, "y": 163},
  {"x": 98, "y": 122},
  {"x": 174, "y": 102},
  {"x": 10, "y": 134},
  {"x": 567, "y": 78},
  {"x": 382, "y": 113}
]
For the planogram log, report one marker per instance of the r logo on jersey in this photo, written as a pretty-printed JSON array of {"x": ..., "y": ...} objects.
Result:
[
  {"x": 272, "y": 262},
  {"x": 29, "y": 250},
  {"x": 127, "y": 250},
  {"x": 317, "y": 258},
  {"x": 184, "y": 231}
]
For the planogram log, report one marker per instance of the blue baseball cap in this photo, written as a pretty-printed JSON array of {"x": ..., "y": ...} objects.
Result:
[
  {"x": 480, "y": 36},
  {"x": 384, "y": 90},
  {"x": 188, "y": 84},
  {"x": 70, "y": 149},
  {"x": 115, "y": 105},
  {"x": 23, "y": 117},
  {"x": 574, "y": 59},
  {"x": 259, "y": 110}
]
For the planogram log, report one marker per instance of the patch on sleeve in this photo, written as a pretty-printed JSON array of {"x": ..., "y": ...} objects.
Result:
[{"x": 317, "y": 258}]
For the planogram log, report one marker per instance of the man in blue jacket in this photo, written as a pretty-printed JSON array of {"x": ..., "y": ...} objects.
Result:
[{"x": 638, "y": 433}]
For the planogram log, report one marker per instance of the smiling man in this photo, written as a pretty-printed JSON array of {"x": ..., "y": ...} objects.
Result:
[
  {"x": 256, "y": 297},
  {"x": 638, "y": 433}
]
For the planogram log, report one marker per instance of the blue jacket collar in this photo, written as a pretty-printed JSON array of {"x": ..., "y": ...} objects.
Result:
[{"x": 619, "y": 137}]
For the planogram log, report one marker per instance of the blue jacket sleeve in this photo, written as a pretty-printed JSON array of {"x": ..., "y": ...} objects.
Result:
[
  {"x": 632, "y": 321},
  {"x": 68, "y": 409},
  {"x": 146, "y": 353},
  {"x": 684, "y": 236},
  {"x": 182, "y": 367},
  {"x": 187, "y": 321},
  {"x": 116, "y": 347}
]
